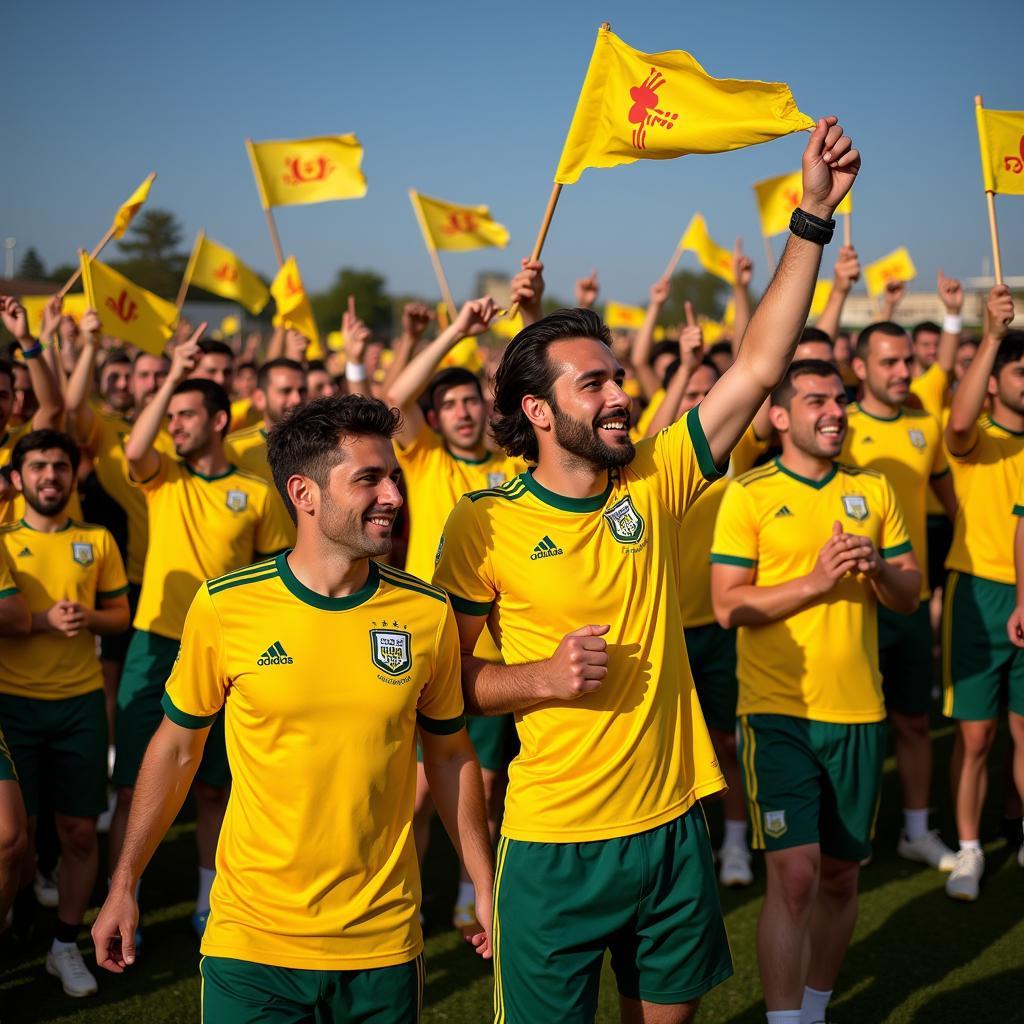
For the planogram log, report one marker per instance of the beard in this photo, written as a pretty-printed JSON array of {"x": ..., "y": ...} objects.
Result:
[
  {"x": 347, "y": 529},
  {"x": 50, "y": 507},
  {"x": 581, "y": 440}
]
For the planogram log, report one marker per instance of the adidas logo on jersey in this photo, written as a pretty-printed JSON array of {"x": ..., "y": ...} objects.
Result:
[
  {"x": 867, "y": 440},
  {"x": 275, "y": 654},
  {"x": 784, "y": 511},
  {"x": 546, "y": 548},
  {"x": 24, "y": 552}
]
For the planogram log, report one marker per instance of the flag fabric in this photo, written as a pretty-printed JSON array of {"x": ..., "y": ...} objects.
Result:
[
  {"x": 1001, "y": 137},
  {"x": 617, "y": 315},
  {"x": 819, "y": 300},
  {"x": 457, "y": 228},
  {"x": 218, "y": 270},
  {"x": 507, "y": 327},
  {"x": 293, "y": 307},
  {"x": 308, "y": 170},
  {"x": 777, "y": 198},
  {"x": 126, "y": 310},
  {"x": 897, "y": 266},
  {"x": 465, "y": 353},
  {"x": 230, "y": 325},
  {"x": 640, "y": 106},
  {"x": 713, "y": 258},
  {"x": 73, "y": 305},
  {"x": 127, "y": 210}
]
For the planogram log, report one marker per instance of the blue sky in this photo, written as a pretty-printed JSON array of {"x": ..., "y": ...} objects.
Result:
[{"x": 471, "y": 102}]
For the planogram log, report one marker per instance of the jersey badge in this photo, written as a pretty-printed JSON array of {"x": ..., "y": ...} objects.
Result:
[
  {"x": 237, "y": 500},
  {"x": 775, "y": 823},
  {"x": 391, "y": 650},
  {"x": 855, "y": 506},
  {"x": 626, "y": 524},
  {"x": 917, "y": 439},
  {"x": 82, "y": 553}
]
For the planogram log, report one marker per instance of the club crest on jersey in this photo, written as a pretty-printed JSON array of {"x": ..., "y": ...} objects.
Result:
[
  {"x": 82, "y": 553},
  {"x": 855, "y": 506},
  {"x": 775, "y": 823},
  {"x": 495, "y": 479},
  {"x": 236, "y": 500},
  {"x": 627, "y": 525},
  {"x": 440, "y": 548},
  {"x": 917, "y": 439},
  {"x": 391, "y": 650}
]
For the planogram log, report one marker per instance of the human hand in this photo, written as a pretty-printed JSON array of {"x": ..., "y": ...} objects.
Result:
[
  {"x": 586, "y": 291},
  {"x": 1015, "y": 626},
  {"x": 830, "y": 165},
  {"x": 475, "y": 317},
  {"x": 481, "y": 941},
  {"x": 355, "y": 332},
  {"x": 952, "y": 294},
  {"x": 999, "y": 312},
  {"x": 186, "y": 355},
  {"x": 91, "y": 327},
  {"x": 837, "y": 557},
  {"x": 416, "y": 317},
  {"x": 15, "y": 319},
  {"x": 847, "y": 269},
  {"x": 528, "y": 289},
  {"x": 65, "y": 618},
  {"x": 51, "y": 317},
  {"x": 113, "y": 932},
  {"x": 578, "y": 666},
  {"x": 295, "y": 345},
  {"x": 691, "y": 341},
  {"x": 742, "y": 266},
  {"x": 660, "y": 291}
]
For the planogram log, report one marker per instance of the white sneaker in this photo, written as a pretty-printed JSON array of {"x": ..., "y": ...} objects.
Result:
[
  {"x": 45, "y": 888},
  {"x": 104, "y": 820},
  {"x": 927, "y": 849},
  {"x": 68, "y": 965},
  {"x": 962, "y": 883},
  {"x": 734, "y": 866}
]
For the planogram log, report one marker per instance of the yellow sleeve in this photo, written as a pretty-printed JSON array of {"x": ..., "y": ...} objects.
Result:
[
  {"x": 462, "y": 567},
  {"x": 930, "y": 388},
  {"x": 167, "y": 472},
  {"x": 112, "y": 580},
  {"x": 736, "y": 535},
  {"x": 440, "y": 708},
  {"x": 197, "y": 687},
  {"x": 7, "y": 585},
  {"x": 1018, "y": 504},
  {"x": 275, "y": 529},
  {"x": 421, "y": 446},
  {"x": 895, "y": 539},
  {"x": 747, "y": 451}
]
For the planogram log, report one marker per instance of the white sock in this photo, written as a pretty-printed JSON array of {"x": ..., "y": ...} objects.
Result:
[
  {"x": 970, "y": 844},
  {"x": 466, "y": 896},
  {"x": 812, "y": 1010},
  {"x": 783, "y": 1016},
  {"x": 915, "y": 823},
  {"x": 111, "y": 758},
  {"x": 60, "y": 947},
  {"x": 735, "y": 833},
  {"x": 206, "y": 877}
]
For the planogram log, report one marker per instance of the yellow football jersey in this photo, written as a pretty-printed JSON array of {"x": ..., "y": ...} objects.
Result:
[
  {"x": 316, "y": 864},
  {"x": 987, "y": 478},
  {"x": 931, "y": 389},
  {"x": 7, "y": 585},
  {"x": 247, "y": 449},
  {"x": 908, "y": 450},
  {"x": 202, "y": 527},
  {"x": 821, "y": 662},
  {"x": 244, "y": 415},
  {"x": 78, "y": 563},
  {"x": 634, "y": 753},
  {"x": 639, "y": 432}
]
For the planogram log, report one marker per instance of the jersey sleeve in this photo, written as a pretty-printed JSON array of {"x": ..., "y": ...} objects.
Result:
[
  {"x": 736, "y": 537},
  {"x": 167, "y": 471},
  {"x": 7, "y": 585},
  {"x": 940, "y": 463},
  {"x": 275, "y": 530},
  {"x": 197, "y": 687},
  {"x": 440, "y": 708},
  {"x": 463, "y": 567},
  {"x": 416, "y": 453},
  {"x": 895, "y": 540},
  {"x": 112, "y": 581}
]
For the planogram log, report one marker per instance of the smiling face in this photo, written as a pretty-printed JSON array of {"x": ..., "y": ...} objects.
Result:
[
  {"x": 814, "y": 419},
  {"x": 888, "y": 368},
  {"x": 46, "y": 479}
]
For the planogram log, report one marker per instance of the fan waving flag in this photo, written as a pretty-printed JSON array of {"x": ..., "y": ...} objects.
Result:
[
  {"x": 897, "y": 266},
  {"x": 457, "y": 228},
  {"x": 713, "y": 258},
  {"x": 308, "y": 170},
  {"x": 293, "y": 308},
  {"x": 617, "y": 315},
  {"x": 1001, "y": 137},
  {"x": 639, "y": 106},
  {"x": 127, "y": 210},
  {"x": 220, "y": 271},
  {"x": 777, "y": 198}
]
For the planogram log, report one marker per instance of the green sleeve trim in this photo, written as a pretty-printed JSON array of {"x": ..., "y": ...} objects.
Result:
[
  {"x": 9, "y": 592},
  {"x": 120, "y": 592},
  {"x": 465, "y": 607},
  {"x": 179, "y": 717},
  {"x": 701, "y": 447},
  {"x": 1018, "y": 510},
  {"x": 149, "y": 479},
  {"x": 899, "y": 549},
  {"x": 743, "y": 563},
  {"x": 939, "y": 476},
  {"x": 440, "y": 726}
]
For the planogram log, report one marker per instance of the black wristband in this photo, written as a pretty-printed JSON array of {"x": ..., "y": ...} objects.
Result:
[
  {"x": 814, "y": 229},
  {"x": 33, "y": 351}
]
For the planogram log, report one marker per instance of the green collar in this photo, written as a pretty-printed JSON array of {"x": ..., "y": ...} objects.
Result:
[
  {"x": 67, "y": 526},
  {"x": 560, "y": 501},
  {"x": 210, "y": 479},
  {"x": 816, "y": 484},
  {"x": 469, "y": 462},
  {"x": 327, "y": 604},
  {"x": 881, "y": 419},
  {"x": 1012, "y": 433}
]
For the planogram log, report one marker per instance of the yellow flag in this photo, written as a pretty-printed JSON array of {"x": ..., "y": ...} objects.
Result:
[
  {"x": 617, "y": 315},
  {"x": 230, "y": 325},
  {"x": 713, "y": 258},
  {"x": 308, "y": 170},
  {"x": 466, "y": 354},
  {"x": 457, "y": 228},
  {"x": 640, "y": 106},
  {"x": 507, "y": 327},
  {"x": 1001, "y": 137},
  {"x": 74, "y": 306},
  {"x": 819, "y": 300},
  {"x": 335, "y": 341},
  {"x": 293, "y": 308},
  {"x": 777, "y": 198},
  {"x": 126, "y": 310},
  {"x": 219, "y": 270},
  {"x": 127, "y": 210},
  {"x": 897, "y": 266},
  {"x": 713, "y": 331}
]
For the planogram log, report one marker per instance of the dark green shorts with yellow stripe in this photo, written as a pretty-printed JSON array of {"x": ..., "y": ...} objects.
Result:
[
  {"x": 812, "y": 782},
  {"x": 651, "y": 898},
  {"x": 242, "y": 992},
  {"x": 711, "y": 651}
]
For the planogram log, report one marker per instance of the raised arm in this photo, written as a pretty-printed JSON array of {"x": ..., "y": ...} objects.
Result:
[
  {"x": 528, "y": 291},
  {"x": 416, "y": 317},
  {"x": 587, "y": 289},
  {"x": 691, "y": 351},
  {"x": 80, "y": 383},
  {"x": 844, "y": 276},
  {"x": 952, "y": 294},
  {"x": 892, "y": 297},
  {"x": 51, "y": 405},
  {"x": 356, "y": 335},
  {"x": 640, "y": 354},
  {"x": 830, "y": 164}
]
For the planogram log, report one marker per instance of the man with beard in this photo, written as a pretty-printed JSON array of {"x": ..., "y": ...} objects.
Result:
[
  {"x": 575, "y": 564},
  {"x": 51, "y": 688},
  {"x": 805, "y": 548},
  {"x": 317, "y": 892},
  {"x": 443, "y": 456},
  {"x": 905, "y": 445},
  {"x": 210, "y": 518}
]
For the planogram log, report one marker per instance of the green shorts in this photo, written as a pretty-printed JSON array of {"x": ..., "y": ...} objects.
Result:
[
  {"x": 940, "y": 539},
  {"x": 812, "y": 782},
  {"x": 905, "y": 658},
  {"x": 146, "y": 669},
  {"x": 711, "y": 651},
  {"x": 651, "y": 898},
  {"x": 982, "y": 671},
  {"x": 8, "y": 773},
  {"x": 115, "y": 647},
  {"x": 59, "y": 746},
  {"x": 242, "y": 992},
  {"x": 494, "y": 738}
]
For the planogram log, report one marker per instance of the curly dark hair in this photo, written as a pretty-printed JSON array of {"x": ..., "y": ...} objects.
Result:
[
  {"x": 526, "y": 370},
  {"x": 306, "y": 441},
  {"x": 43, "y": 441}
]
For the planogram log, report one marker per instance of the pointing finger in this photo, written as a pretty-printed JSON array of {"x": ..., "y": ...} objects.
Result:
[{"x": 690, "y": 320}]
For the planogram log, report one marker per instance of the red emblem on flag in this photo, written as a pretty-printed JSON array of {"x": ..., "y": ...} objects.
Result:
[
  {"x": 304, "y": 172},
  {"x": 123, "y": 307},
  {"x": 1015, "y": 164},
  {"x": 645, "y": 111},
  {"x": 292, "y": 286},
  {"x": 460, "y": 223},
  {"x": 226, "y": 272},
  {"x": 792, "y": 197}
]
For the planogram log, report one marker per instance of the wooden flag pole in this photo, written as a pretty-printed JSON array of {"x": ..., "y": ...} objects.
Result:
[
  {"x": 769, "y": 255},
  {"x": 674, "y": 262},
  {"x": 187, "y": 277},
  {"x": 538, "y": 246},
  {"x": 435, "y": 259},
  {"x": 993, "y": 227},
  {"x": 275, "y": 240}
]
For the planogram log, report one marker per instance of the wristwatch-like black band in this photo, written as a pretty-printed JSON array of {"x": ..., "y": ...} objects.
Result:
[{"x": 814, "y": 229}]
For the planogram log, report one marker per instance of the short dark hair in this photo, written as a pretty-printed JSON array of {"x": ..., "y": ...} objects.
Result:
[
  {"x": 887, "y": 327},
  {"x": 142, "y": 353},
  {"x": 263, "y": 376},
  {"x": 316, "y": 364},
  {"x": 720, "y": 348},
  {"x": 526, "y": 370},
  {"x": 248, "y": 365},
  {"x": 1011, "y": 350},
  {"x": 785, "y": 389},
  {"x": 451, "y": 377},
  {"x": 7, "y": 370},
  {"x": 210, "y": 346},
  {"x": 662, "y": 348},
  {"x": 929, "y": 326},
  {"x": 815, "y": 334},
  {"x": 215, "y": 398},
  {"x": 44, "y": 440},
  {"x": 306, "y": 441},
  {"x": 673, "y": 369}
]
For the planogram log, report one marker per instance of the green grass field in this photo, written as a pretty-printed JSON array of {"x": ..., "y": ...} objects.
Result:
[{"x": 916, "y": 956}]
